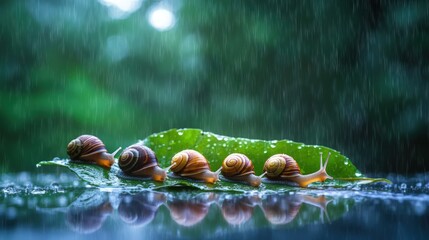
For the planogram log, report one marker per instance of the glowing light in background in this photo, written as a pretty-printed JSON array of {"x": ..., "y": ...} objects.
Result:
[
  {"x": 161, "y": 18},
  {"x": 120, "y": 9}
]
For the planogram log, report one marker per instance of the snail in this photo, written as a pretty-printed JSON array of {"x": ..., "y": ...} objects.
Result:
[
  {"x": 191, "y": 210},
  {"x": 90, "y": 149},
  {"x": 140, "y": 161},
  {"x": 192, "y": 164},
  {"x": 281, "y": 209},
  {"x": 238, "y": 210},
  {"x": 88, "y": 212},
  {"x": 284, "y": 168},
  {"x": 140, "y": 209},
  {"x": 238, "y": 167}
]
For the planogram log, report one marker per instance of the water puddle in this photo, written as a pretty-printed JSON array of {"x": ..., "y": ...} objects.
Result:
[{"x": 62, "y": 203}]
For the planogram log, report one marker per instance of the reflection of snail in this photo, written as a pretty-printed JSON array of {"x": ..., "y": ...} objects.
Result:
[
  {"x": 90, "y": 149},
  {"x": 88, "y": 216},
  {"x": 140, "y": 209},
  {"x": 282, "y": 209},
  {"x": 189, "y": 212},
  {"x": 192, "y": 165},
  {"x": 283, "y": 168},
  {"x": 140, "y": 161},
  {"x": 238, "y": 167},
  {"x": 238, "y": 210}
]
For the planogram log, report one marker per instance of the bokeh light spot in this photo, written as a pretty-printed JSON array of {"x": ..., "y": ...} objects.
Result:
[{"x": 161, "y": 18}]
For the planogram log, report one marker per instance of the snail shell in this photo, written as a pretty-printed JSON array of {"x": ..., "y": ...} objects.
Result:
[
  {"x": 192, "y": 164},
  {"x": 238, "y": 167},
  {"x": 281, "y": 166},
  {"x": 90, "y": 217},
  {"x": 280, "y": 209},
  {"x": 140, "y": 209},
  {"x": 88, "y": 148},
  {"x": 238, "y": 210},
  {"x": 284, "y": 168},
  {"x": 140, "y": 161},
  {"x": 188, "y": 213}
]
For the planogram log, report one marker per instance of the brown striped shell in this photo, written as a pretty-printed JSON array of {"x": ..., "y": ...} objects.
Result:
[
  {"x": 84, "y": 147},
  {"x": 237, "y": 164},
  {"x": 281, "y": 166},
  {"x": 188, "y": 163},
  {"x": 136, "y": 158}
]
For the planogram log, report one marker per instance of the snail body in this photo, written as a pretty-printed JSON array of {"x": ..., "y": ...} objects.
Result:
[
  {"x": 90, "y": 149},
  {"x": 192, "y": 164},
  {"x": 140, "y": 161},
  {"x": 238, "y": 167},
  {"x": 284, "y": 168}
]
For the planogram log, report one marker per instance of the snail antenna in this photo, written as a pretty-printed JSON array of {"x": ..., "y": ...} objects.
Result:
[
  {"x": 115, "y": 152},
  {"x": 327, "y": 159},
  {"x": 168, "y": 168}
]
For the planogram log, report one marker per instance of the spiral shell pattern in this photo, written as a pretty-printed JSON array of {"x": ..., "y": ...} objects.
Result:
[
  {"x": 137, "y": 157},
  {"x": 188, "y": 163},
  {"x": 281, "y": 166},
  {"x": 84, "y": 146},
  {"x": 237, "y": 164}
]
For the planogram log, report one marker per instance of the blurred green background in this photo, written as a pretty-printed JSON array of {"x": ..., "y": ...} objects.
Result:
[{"x": 350, "y": 75}]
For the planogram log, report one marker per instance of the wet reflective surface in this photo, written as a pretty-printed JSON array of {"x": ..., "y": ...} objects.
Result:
[{"x": 48, "y": 206}]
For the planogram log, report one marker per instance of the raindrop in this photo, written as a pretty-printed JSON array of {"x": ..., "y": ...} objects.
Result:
[
  {"x": 180, "y": 133},
  {"x": 38, "y": 191},
  {"x": 55, "y": 187},
  {"x": 358, "y": 174},
  {"x": 220, "y": 138},
  {"x": 62, "y": 201},
  {"x": 419, "y": 185},
  {"x": 10, "y": 190},
  {"x": 403, "y": 186},
  {"x": 272, "y": 146}
]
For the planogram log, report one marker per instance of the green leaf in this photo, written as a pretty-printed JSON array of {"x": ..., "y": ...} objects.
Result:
[{"x": 216, "y": 148}]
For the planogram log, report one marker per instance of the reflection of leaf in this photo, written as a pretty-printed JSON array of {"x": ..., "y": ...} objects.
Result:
[{"x": 216, "y": 148}]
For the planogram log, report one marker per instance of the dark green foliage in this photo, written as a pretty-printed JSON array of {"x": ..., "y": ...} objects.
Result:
[{"x": 351, "y": 75}]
